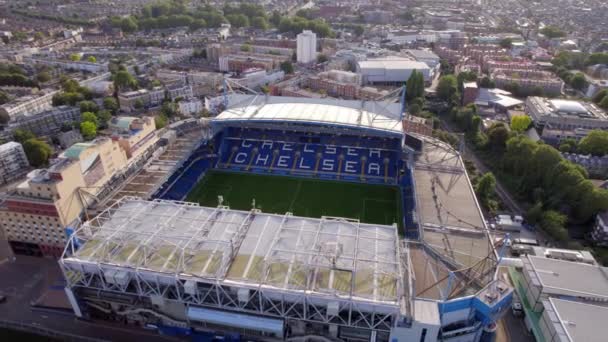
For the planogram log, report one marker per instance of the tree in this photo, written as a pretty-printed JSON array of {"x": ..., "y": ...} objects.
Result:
[
  {"x": 260, "y": 23},
  {"x": 486, "y": 186},
  {"x": 535, "y": 213},
  {"x": 506, "y": 43},
  {"x": 447, "y": 87},
  {"x": 124, "y": 80},
  {"x": 38, "y": 152},
  {"x": 465, "y": 76},
  {"x": 88, "y": 117},
  {"x": 407, "y": 16},
  {"x": 128, "y": 24},
  {"x": 88, "y": 106},
  {"x": 578, "y": 81},
  {"x": 568, "y": 145},
  {"x": 91, "y": 59},
  {"x": 103, "y": 117},
  {"x": 110, "y": 103},
  {"x": 321, "y": 58},
  {"x": 287, "y": 67},
  {"x": 552, "y": 32},
  {"x": 520, "y": 123},
  {"x": 358, "y": 30},
  {"x": 498, "y": 136},
  {"x": 43, "y": 77},
  {"x": 75, "y": 57},
  {"x": 139, "y": 104},
  {"x": 554, "y": 223},
  {"x": 22, "y": 135},
  {"x": 4, "y": 118},
  {"x": 414, "y": 87},
  {"x": 275, "y": 18},
  {"x": 604, "y": 103},
  {"x": 595, "y": 143},
  {"x": 414, "y": 109},
  {"x": 169, "y": 109},
  {"x": 160, "y": 121},
  {"x": 88, "y": 130},
  {"x": 597, "y": 58},
  {"x": 238, "y": 20},
  {"x": 486, "y": 82},
  {"x": 599, "y": 96}
]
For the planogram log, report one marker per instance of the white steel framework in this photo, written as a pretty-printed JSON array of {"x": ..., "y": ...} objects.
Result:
[{"x": 328, "y": 270}]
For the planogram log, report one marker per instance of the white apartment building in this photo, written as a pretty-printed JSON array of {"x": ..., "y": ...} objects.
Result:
[
  {"x": 190, "y": 106},
  {"x": 27, "y": 105},
  {"x": 13, "y": 162},
  {"x": 307, "y": 47}
]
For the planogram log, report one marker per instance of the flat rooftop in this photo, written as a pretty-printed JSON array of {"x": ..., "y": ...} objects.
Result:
[
  {"x": 581, "y": 322},
  {"x": 569, "y": 278},
  {"x": 336, "y": 256}
]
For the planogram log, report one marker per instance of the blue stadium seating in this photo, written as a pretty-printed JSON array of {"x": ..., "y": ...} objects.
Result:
[
  {"x": 371, "y": 160},
  {"x": 179, "y": 184}
]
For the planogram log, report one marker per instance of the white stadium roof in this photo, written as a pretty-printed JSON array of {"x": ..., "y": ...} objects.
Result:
[
  {"x": 326, "y": 256},
  {"x": 377, "y": 116}
]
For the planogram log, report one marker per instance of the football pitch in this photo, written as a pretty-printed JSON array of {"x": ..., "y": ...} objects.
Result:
[{"x": 370, "y": 203}]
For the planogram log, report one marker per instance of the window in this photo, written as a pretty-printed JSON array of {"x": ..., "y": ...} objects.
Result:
[{"x": 423, "y": 335}]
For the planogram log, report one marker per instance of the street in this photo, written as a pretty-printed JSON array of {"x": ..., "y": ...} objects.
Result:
[{"x": 26, "y": 279}]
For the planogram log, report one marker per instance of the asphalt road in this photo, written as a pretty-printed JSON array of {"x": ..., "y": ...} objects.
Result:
[
  {"x": 513, "y": 328},
  {"x": 24, "y": 280}
]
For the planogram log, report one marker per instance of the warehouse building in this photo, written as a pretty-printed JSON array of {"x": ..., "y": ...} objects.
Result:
[{"x": 391, "y": 70}]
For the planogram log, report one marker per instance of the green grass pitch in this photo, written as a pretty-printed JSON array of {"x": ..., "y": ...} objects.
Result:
[{"x": 370, "y": 203}]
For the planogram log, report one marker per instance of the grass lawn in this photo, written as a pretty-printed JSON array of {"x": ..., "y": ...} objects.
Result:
[{"x": 370, "y": 203}]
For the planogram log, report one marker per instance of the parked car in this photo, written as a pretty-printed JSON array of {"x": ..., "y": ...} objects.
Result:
[{"x": 517, "y": 308}]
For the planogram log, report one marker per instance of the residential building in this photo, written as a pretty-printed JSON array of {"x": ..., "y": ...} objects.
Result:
[
  {"x": 129, "y": 101},
  {"x": 342, "y": 84},
  {"x": 35, "y": 215},
  {"x": 307, "y": 47},
  {"x": 69, "y": 138},
  {"x": 28, "y": 104},
  {"x": 69, "y": 65},
  {"x": 13, "y": 162},
  {"x": 134, "y": 135},
  {"x": 470, "y": 91},
  {"x": 528, "y": 81},
  {"x": 240, "y": 63},
  {"x": 216, "y": 51},
  {"x": 262, "y": 49},
  {"x": 190, "y": 106},
  {"x": 391, "y": 70},
  {"x": 377, "y": 16},
  {"x": 595, "y": 165},
  {"x": 177, "y": 91},
  {"x": 47, "y": 123}
]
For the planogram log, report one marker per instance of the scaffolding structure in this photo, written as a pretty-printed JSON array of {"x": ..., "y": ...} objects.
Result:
[{"x": 329, "y": 270}]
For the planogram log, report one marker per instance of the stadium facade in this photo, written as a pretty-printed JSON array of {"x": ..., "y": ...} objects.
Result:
[{"x": 202, "y": 271}]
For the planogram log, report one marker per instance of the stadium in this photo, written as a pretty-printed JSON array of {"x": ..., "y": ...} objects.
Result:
[{"x": 297, "y": 219}]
